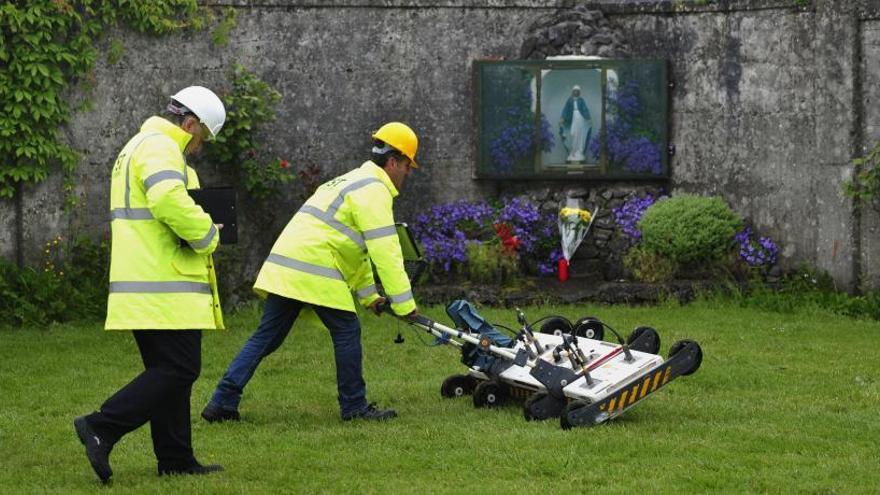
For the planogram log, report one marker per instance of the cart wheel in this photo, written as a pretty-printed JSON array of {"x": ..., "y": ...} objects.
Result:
[
  {"x": 589, "y": 327},
  {"x": 527, "y": 407},
  {"x": 488, "y": 394},
  {"x": 457, "y": 385},
  {"x": 698, "y": 358},
  {"x": 644, "y": 339},
  {"x": 571, "y": 407},
  {"x": 556, "y": 326}
]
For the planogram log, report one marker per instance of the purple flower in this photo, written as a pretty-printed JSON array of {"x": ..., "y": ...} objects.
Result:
[
  {"x": 549, "y": 267},
  {"x": 627, "y": 216},
  {"x": 513, "y": 135},
  {"x": 445, "y": 230},
  {"x": 626, "y": 142},
  {"x": 524, "y": 218},
  {"x": 761, "y": 252}
]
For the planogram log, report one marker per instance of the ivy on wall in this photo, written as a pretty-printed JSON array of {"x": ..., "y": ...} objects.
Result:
[
  {"x": 45, "y": 47},
  {"x": 249, "y": 105},
  {"x": 865, "y": 185}
]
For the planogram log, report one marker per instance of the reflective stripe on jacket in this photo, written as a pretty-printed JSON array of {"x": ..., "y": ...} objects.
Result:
[
  {"x": 324, "y": 253},
  {"x": 155, "y": 282}
]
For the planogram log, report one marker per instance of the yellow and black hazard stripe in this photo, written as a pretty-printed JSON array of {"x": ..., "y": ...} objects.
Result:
[
  {"x": 636, "y": 390},
  {"x": 685, "y": 358}
]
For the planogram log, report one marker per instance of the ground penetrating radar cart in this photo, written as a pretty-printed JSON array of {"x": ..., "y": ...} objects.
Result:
[{"x": 563, "y": 369}]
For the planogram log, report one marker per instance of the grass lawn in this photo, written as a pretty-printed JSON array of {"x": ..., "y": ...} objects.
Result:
[{"x": 783, "y": 403}]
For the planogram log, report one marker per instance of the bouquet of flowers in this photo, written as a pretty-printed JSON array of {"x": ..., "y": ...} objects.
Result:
[{"x": 574, "y": 223}]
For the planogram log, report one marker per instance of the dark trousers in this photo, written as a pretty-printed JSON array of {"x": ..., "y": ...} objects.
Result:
[
  {"x": 160, "y": 394},
  {"x": 279, "y": 313}
]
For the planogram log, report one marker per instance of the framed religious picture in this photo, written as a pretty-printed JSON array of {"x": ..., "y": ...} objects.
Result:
[
  {"x": 567, "y": 95},
  {"x": 565, "y": 117}
]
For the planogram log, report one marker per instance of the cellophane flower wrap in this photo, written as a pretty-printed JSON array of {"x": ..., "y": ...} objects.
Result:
[{"x": 574, "y": 222}]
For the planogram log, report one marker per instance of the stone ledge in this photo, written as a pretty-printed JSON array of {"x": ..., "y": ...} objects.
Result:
[
  {"x": 392, "y": 4},
  {"x": 536, "y": 291},
  {"x": 612, "y": 7}
]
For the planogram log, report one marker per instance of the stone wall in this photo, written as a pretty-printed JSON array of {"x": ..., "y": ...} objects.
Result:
[
  {"x": 763, "y": 116},
  {"x": 869, "y": 220},
  {"x": 771, "y": 102}
]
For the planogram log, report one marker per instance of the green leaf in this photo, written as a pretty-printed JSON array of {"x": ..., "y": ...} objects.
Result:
[{"x": 45, "y": 45}]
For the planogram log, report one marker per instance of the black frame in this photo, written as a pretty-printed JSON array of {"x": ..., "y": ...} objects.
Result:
[{"x": 539, "y": 171}]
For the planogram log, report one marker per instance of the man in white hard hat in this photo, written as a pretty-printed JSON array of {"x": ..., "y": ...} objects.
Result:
[
  {"x": 321, "y": 258},
  {"x": 162, "y": 283}
]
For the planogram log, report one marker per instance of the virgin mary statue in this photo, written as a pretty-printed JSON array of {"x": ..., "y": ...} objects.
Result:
[{"x": 577, "y": 124}]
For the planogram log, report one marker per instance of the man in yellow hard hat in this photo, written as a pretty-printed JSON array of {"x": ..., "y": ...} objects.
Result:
[
  {"x": 321, "y": 258},
  {"x": 162, "y": 283}
]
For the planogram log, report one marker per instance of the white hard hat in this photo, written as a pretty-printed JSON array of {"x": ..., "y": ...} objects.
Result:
[{"x": 205, "y": 105}]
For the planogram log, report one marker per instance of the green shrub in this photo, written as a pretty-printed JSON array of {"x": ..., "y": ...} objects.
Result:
[
  {"x": 689, "y": 229},
  {"x": 70, "y": 285},
  {"x": 649, "y": 267},
  {"x": 489, "y": 264},
  {"x": 807, "y": 288}
]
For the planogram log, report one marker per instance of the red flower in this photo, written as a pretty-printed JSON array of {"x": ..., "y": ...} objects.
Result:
[
  {"x": 284, "y": 164},
  {"x": 503, "y": 230},
  {"x": 511, "y": 244}
]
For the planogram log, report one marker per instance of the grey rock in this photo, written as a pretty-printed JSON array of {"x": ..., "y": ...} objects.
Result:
[
  {"x": 602, "y": 38},
  {"x": 577, "y": 192},
  {"x": 605, "y": 51},
  {"x": 601, "y": 234}
]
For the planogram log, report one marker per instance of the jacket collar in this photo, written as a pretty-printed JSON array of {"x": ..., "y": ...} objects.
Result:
[
  {"x": 158, "y": 124},
  {"x": 380, "y": 174}
]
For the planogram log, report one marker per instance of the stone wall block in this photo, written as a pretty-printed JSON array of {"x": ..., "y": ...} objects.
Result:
[{"x": 762, "y": 112}]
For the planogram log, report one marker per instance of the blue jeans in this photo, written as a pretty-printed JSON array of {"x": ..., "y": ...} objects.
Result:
[{"x": 279, "y": 314}]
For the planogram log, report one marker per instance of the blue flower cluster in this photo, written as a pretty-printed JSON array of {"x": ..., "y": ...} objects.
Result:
[
  {"x": 446, "y": 230},
  {"x": 624, "y": 100},
  {"x": 548, "y": 267},
  {"x": 626, "y": 146},
  {"x": 548, "y": 140},
  {"x": 516, "y": 135},
  {"x": 510, "y": 144},
  {"x": 523, "y": 217},
  {"x": 634, "y": 153},
  {"x": 760, "y": 252},
  {"x": 627, "y": 216}
]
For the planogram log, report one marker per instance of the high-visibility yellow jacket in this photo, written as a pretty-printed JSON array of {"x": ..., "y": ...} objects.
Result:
[
  {"x": 156, "y": 283},
  {"x": 324, "y": 253}
]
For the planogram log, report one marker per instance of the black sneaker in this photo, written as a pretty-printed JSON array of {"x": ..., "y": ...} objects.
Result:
[
  {"x": 189, "y": 469},
  {"x": 215, "y": 414},
  {"x": 372, "y": 413},
  {"x": 97, "y": 450}
]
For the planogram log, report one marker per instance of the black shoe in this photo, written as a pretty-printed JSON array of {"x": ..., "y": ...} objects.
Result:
[
  {"x": 214, "y": 414},
  {"x": 372, "y": 413},
  {"x": 97, "y": 450},
  {"x": 190, "y": 469}
]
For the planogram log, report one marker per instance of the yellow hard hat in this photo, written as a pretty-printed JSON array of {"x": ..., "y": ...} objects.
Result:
[{"x": 400, "y": 137}]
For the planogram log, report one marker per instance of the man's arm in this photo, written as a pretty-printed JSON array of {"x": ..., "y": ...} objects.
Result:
[
  {"x": 161, "y": 176},
  {"x": 373, "y": 216}
]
